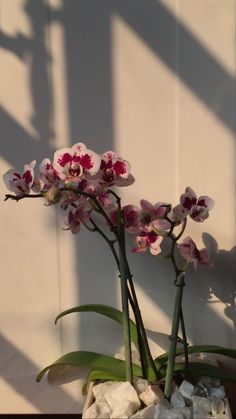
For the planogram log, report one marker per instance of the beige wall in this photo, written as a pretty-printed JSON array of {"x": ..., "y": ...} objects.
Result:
[{"x": 155, "y": 81}]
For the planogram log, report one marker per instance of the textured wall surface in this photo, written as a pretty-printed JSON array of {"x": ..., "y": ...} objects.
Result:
[{"x": 154, "y": 81}]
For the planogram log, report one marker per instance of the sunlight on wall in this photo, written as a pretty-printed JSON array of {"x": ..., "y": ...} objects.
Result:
[
  {"x": 144, "y": 91},
  {"x": 205, "y": 21},
  {"x": 15, "y": 68}
]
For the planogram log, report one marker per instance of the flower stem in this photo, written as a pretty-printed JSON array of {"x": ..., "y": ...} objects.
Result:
[
  {"x": 125, "y": 306},
  {"x": 179, "y": 283}
]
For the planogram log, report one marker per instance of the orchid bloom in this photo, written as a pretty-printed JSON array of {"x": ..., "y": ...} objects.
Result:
[
  {"x": 19, "y": 183},
  {"x": 115, "y": 170},
  {"x": 72, "y": 163},
  {"x": 48, "y": 174},
  {"x": 190, "y": 252},
  {"x": 77, "y": 216},
  {"x": 131, "y": 218},
  {"x": 152, "y": 216},
  {"x": 148, "y": 240},
  {"x": 197, "y": 208}
]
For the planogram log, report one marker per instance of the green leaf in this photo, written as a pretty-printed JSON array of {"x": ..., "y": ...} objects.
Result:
[
  {"x": 231, "y": 353},
  {"x": 95, "y": 375},
  {"x": 200, "y": 368},
  {"x": 105, "y": 310},
  {"x": 94, "y": 361}
]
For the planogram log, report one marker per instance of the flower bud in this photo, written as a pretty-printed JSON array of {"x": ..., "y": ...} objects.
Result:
[{"x": 53, "y": 195}]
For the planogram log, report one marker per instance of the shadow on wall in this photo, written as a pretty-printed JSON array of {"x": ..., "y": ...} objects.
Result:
[
  {"x": 20, "y": 373},
  {"x": 88, "y": 47}
]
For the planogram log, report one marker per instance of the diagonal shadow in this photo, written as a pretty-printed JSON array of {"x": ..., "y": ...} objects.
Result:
[
  {"x": 20, "y": 373},
  {"x": 198, "y": 69}
]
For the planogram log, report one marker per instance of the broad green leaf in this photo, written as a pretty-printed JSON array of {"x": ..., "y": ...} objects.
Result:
[
  {"x": 231, "y": 353},
  {"x": 200, "y": 368},
  {"x": 95, "y": 375},
  {"x": 94, "y": 361},
  {"x": 105, "y": 310}
]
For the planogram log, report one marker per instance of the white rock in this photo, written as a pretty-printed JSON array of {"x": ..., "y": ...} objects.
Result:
[
  {"x": 140, "y": 384},
  {"x": 161, "y": 409},
  {"x": 217, "y": 405},
  {"x": 215, "y": 382},
  {"x": 98, "y": 410},
  {"x": 177, "y": 400},
  {"x": 146, "y": 413},
  {"x": 200, "y": 414},
  {"x": 186, "y": 389},
  {"x": 123, "y": 410},
  {"x": 152, "y": 395},
  {"x": 201, "y": 403},
  {"x": 217, "y": 392},
  {"x": 99, "y": 390},
  {"x": 124, "y": 395}
]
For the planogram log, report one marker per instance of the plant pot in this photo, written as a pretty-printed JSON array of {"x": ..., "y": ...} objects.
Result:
[{"x": 90, "y": 400}]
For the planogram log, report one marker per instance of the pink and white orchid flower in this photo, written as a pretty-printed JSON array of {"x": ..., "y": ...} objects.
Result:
[
  {"x": 148, "y": 240},
  {"x": 131, "y": 218},
  {"x": 190, "y": 252},
  {"x": 48, "y": 174},
  {"x": 75, "y": 217},
  {"x": 197, "y": 208},
  {"x": 115, "y": 170},
  {"x": 20, "y": 183},
  {"x": 152, "y": 216},
  {"x": 72, "y": 163}
]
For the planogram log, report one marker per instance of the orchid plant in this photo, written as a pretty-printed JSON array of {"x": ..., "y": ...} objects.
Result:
[{"x": 80, "y": 181}]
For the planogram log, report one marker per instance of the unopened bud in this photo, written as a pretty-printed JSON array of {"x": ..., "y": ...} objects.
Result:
[{"x": 53, "y": 195}]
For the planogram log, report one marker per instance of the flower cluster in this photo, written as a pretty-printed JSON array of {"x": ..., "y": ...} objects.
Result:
[
  {"x": 152, "y": 223},
  {"x": 72, "y": 170},
  {"x": 77, "y": 173},
  {"x": 79, "y": 180}
]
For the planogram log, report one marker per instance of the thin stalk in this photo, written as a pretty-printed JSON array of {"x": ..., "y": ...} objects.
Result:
[
  {"x": 185, "y": 342},
  {"x": 179, "y": 283},
  {"x": 139, "y": 321},
  {"x": 141, "y": 346},
  {"x": 125, "y": 308}
]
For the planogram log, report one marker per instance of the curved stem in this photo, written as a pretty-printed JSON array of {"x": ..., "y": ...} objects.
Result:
[{"x": 179, "y": 283}]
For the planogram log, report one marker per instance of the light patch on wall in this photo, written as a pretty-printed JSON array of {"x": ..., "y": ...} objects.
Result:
[
  {"x": 15, "y": 64},
  {"x": 212, "y": 23},
  {"x": 15, "y": 19},
  {"x": 58, "y": 71},
  {"x": 144, "y": 111}
]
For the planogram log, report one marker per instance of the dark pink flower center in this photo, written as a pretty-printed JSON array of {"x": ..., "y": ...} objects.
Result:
[
  {"x": 151, "y": 237},
  {"x": 202, "y": 203},
  {"x": 86, "y": 162},
  {"x": 64, "y": 159},
  {"x": 188, "y": 203},
  {"x": 120, "y": 167},
  {"x": 27, "y": 176}
]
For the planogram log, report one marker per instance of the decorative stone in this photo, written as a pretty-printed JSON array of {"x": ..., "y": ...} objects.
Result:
[
  {"x": 217, "y": 392},
  {"x": 98, "y": 410},
  {"x": 140, "y": 384},
  {"x": 123, "y": 410},
  {"x": 200, "y": 390},
  {"x": 152, "y": 395},
  {"x": 124, "y": 399},
  {"x": 161, "y": 409},
  {"x": 146, "y": 413},
  {"x": 99, "y": 390},
  {"x": 165, "y": 413},
  {"x": 186, "y": 389},
  {"x": 200, "y": 414},
  {"x": 201, "y": 403},
  {"x": 215, "y": 382},
  {"x": 217, "y": 405},
  {"x": 177, "y": 400}
]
